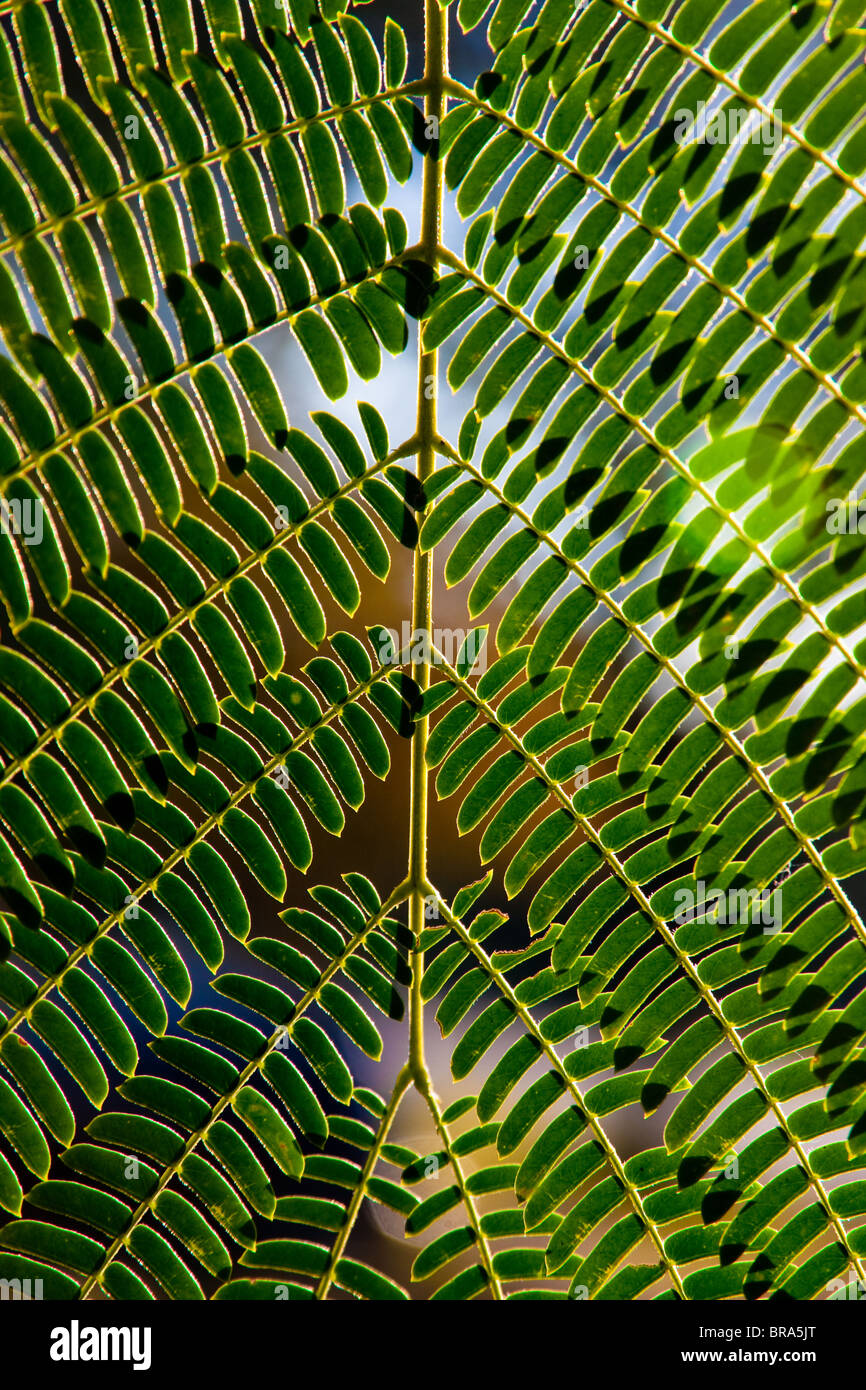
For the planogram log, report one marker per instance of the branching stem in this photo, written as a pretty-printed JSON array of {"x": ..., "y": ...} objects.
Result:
[
  {"x": 435, "y": 68},
  {"x": 401, "y": 1085}
]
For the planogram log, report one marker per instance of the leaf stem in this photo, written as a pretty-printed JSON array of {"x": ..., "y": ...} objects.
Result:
[
  {"x": 756, "y": 772},
  {"x": 252, "y": 1067},
  {"x": 692, "y": 972},
  {"x": 659, "y": 234},
  {"x": 593, "y": 1123},
  {"x": 435, "y": 68},
  {"x": 180, "y": 853},
  {"x": 187, "y": 366},
  {"x": 484, "y": 1251},
  {"x": 401, "y": 1085},
  {"x": 184, "y": 614},
  {"x": 639, "y": 425},
  {"x": 259, "y": 139},
  {"x": 747, "y": 98}
]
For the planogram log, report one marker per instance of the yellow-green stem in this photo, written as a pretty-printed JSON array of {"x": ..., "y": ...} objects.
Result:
[
  {"x": 435, "y": 67},
  {"x": 400, "y": 1086}
]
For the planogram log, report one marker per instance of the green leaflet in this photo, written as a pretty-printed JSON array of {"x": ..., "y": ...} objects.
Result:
[{"x": 264, "y": 1121}]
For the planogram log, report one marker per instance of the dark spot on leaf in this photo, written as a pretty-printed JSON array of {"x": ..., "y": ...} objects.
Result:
[
  {"x": 487, "y": 83},
  {"x": 208, "y": 274},
  {"x": 121, "y": 808},
  {"x": 736, "y": 193},
  {"x": 27, "y": 912},
  {"x": 133, "y": 310},
  {"x": 57, "y": 873},
  {"x": 718, "y": 1202},
  {"x": 88, "y": 844},
  {"x": 153, "y": 765}
]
